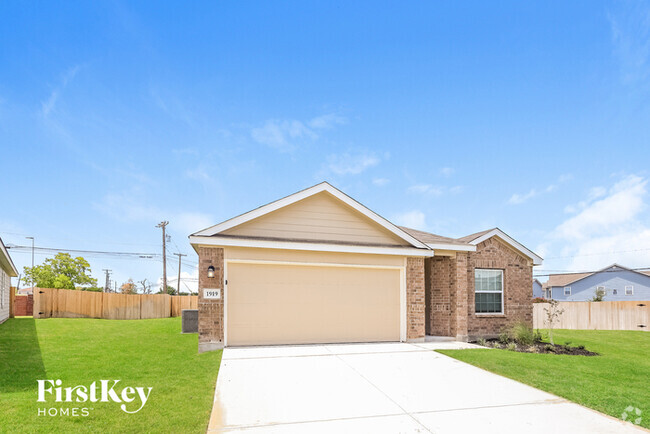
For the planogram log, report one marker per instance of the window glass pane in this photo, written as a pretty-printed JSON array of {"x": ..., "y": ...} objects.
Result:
[
  {"x": 488, "y": 280},
  {"x": 487, "y": 302}
]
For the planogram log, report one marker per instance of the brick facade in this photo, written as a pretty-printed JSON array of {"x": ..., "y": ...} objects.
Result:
[
  {"x": 415, "y": 299},
  {"x": 450, "y": 291},
  {"x": 517, "y": 291},
  {"x": 211, "y": 319}
]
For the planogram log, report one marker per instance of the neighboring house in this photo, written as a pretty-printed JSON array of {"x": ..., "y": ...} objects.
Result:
[
  {"x": 7, "y": 271},
  {"x": 319, "y": 267},
  {"x": 25, "y": 291},
  {"x": 619, "y": 283},
  {"x": 538, "y": 291}
]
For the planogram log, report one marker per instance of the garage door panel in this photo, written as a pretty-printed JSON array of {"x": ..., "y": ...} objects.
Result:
[{"x": 293, "y": 304}]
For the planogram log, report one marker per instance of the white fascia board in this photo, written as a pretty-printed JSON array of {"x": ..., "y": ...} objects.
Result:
[
  {"x": 537, "y": 260},
  {"x": 196, "y": 240},
  {"x": 453, "y": 247},
  {"x": 323, "y": 186},
  {"x": 12, "y": 267}
]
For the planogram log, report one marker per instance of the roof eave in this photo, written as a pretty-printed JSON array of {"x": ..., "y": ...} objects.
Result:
[{"x": 217, "y": 241}]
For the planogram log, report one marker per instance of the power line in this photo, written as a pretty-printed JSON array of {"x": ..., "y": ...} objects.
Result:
[{"x": 21, "y": 249}]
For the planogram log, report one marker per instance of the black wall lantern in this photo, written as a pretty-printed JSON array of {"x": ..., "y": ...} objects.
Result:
[{"x": 211, "y": 271}]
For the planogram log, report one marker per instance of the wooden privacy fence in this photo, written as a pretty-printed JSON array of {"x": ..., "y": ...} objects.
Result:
[
  {"x": 602, "y": 315},
  {"x": 66, "y": 303}
]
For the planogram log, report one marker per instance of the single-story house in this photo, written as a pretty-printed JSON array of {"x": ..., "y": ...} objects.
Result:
[
  {"x": 538, "y": 290},
  {"x": 619, "y": 283},
  {"x": 319, "y": 267},
  {"x": 7, "y": 271},
  {"x": 25, "y": 291}
]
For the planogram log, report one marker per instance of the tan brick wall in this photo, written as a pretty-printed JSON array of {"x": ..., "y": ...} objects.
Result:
[
  {"x": 415, "y": 306},
  {"x": 211, "y": 311},
  {"x": 518, "y": 276}
]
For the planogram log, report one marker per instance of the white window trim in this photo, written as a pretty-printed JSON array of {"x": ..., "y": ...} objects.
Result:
[
  {"x": 502, "y": 292},
  {"x": 565, "y": 288},
  {"x": 631, "y": 289}
]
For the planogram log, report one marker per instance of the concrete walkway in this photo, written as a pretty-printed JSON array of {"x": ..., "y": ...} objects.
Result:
[{"x": 384, "y": 388}]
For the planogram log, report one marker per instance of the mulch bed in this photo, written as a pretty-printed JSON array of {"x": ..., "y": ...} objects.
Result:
[{"x": 542, "y": 348}]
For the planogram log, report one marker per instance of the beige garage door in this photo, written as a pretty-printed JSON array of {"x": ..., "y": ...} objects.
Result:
[{"x": 299, "y": 304}]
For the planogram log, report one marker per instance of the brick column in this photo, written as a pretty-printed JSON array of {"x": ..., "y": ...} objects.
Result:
[
  {"x": 459, "y": 297},
  {"x": 415, "y": 304},
  {"x": 439, "y": 297},
  {"x": 210, "y": 311}
]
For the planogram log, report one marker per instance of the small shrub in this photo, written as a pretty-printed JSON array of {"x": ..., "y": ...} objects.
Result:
[
  {"x": 549, "y": 348},
  {"x": 580, "y": 347},
  {"x": 511, "y": 346},
  {"x": 521, "y": 333},
  {"x": 482, "y": 342},
  {"x": 504, "y": 337},
  {"x": 537, "y": 336},
  {"x": 539, "y": 300}
]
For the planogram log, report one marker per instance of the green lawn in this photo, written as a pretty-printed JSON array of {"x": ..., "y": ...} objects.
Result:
[
  {"x": 608, "y": 383},
  {"x": 147, "y": 353}
]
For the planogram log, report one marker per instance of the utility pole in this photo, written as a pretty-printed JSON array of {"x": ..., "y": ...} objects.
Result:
[
  {"x": 107, "y": 285},
  {"x": 178, "y": 284},
  {"x": 164, "y": 246},
  {"x": 32, "y": 238}
]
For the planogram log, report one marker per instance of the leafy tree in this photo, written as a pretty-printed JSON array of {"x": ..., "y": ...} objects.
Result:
[
  {"x": 61, "y": 272},
  {"x": 128, "y": 287},
  {"x": 170, "y": 290},
  {"x": 91, "y": 289},
  {"x": 599, "y": 295}
]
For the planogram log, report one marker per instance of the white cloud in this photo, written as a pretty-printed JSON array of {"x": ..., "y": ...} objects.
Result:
[
  {"x": 281, "y": 134},
  {"x": 327, "y": 121},
  {"x": 413, "y": 219},
  {"x": 517, "y": 198},
  {"x": 630, "y": 28},
  {"x": 351, "y": 163},
  {"x": 49, "y": 104},
  {"x": 622, "y": 204},
  {"x": 433, "y": 190},
  {"x": 284, "y": 135},
  {"x": 447, "y": 171},
  {"x": 129, "y": 208},
  {"x": 425, "y": 189},
  {"x": 380, "y": 182},
  {"x": 611, "y": 226}
]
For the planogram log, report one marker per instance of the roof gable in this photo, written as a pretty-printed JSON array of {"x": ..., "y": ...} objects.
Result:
[
  {"x": 479, "y": 237},
  {"x": 555, "y": 280},
  {"x": 315, "y": 214}
]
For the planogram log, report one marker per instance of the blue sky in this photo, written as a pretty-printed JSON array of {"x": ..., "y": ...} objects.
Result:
[{"x": 453, "y": 118}]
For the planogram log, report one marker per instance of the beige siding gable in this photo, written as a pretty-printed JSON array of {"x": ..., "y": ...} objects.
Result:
[{"x": 319, "y": 218}]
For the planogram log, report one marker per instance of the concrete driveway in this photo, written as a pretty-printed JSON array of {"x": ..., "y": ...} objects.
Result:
[{"x": 383, "y": 388}]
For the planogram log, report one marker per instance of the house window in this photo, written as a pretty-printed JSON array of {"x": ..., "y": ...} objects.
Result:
[
  {"x": 567, "y": 290},
  {"x": 629, "y": 290},
  {"x": 488, "y": 288}
]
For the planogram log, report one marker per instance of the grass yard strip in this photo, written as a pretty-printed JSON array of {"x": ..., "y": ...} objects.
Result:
[
  {"x": 609, "y": 383},
  {"x": 148, "y": 353}
]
